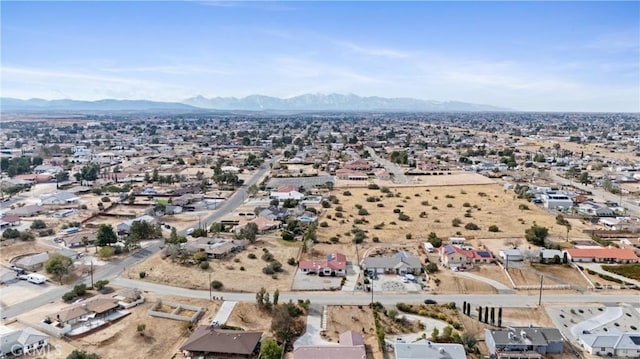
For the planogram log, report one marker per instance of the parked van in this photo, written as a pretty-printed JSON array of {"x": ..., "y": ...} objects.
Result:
[{"x": 36, "y": 278}]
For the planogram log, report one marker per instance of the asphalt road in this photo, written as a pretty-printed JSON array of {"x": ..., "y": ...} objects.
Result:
[
  {"x": 398, "y": 173},
  {"x": 111, "y": 270},
  {"x": 361, "y": 298}
]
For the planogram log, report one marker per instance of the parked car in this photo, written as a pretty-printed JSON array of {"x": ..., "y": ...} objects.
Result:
[
  {"x": 17, "y": 269},
  {"x": 190, "y": 231},
  {"x": 430, "y": 301}
]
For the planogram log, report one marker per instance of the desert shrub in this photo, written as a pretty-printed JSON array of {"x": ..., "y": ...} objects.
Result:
[
  {"x": 456, "y": 222},
  {"x": 523, "y": 207},
  {"x": 142, "y": 274},
  {"x": 373, "y": 186},
  {"x": 267, "y": 257},
  {"x": 494, "y": 228},
  {"x": 380, "y": 205},
  {"x": 252, "y": 256},
  {"x": 408, "y": 236},
  {"x": 106, "y": 252},
  {"x": 363, "y": 212},
  {"x": 449, "y": 205},
  {"x": 291, "y": 261},
  {"x": 471, "y": 226},
  {"x": 466, "y": 204},
  {"x": 396, "y": 210},
  {"x": 346, "y": 193},
  {"x": 324, "y": 224},
  {"x": 404, "y": 217},
  {"x": 339, "y": 215},
  {"x": 204, "y": 265},
  {"x": 216, "y": 284}
]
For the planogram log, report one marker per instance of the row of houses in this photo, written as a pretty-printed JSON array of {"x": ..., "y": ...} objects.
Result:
[{"x": 593, "y": 254}]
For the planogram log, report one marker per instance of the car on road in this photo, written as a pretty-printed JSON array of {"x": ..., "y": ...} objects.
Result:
[
  {"x": 430, "y": 301},
  {"x": 17, "y": 269}
]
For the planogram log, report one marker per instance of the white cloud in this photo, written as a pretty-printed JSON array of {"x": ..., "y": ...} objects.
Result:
[{"x": 374, "y": 51}]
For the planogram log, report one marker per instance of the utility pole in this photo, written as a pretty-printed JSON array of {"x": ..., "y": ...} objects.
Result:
[
  {"x": 91, "y": 272},
  {"x": 540, "y": 295}
]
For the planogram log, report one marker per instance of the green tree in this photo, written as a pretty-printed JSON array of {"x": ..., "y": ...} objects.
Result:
[
  {"x": 536, "y": 234},
  {"x": 216, "y": 227},
  {"x": 269, "y": 349},
  {"x": 253, "y": 190},
  {"x": 249, "y": 232},
  {"x": 81, "y": 354},
  {"x": 105, "y": 235},
  {"x": 38, "y": 224},
  {"x": 58, "y": 265},
  {"x": 434, "y": 239}
]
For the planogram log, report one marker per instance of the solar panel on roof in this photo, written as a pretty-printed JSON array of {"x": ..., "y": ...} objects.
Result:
[
  {"x": 635, "y": 339},
  {"x": 484, "y": 254}
]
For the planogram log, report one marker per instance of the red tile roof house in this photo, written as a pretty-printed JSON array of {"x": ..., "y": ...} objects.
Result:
[
  {"x": 358, "y": 165},
  {"x": 607, "y": 255},
  {"x": 454, "y": 256},
  {"x": 335, "y": 265},
  {"x": 351, "y": 346},
  {"x": 211, "y": 342}
]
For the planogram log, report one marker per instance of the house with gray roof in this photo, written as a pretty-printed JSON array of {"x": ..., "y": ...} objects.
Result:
[
  {"x": 399, "y": 263},
  {"x": 22, "y": 341},
  {"x": 625, "y": 345},
  {"x": 523, "y": 342},
  {"x": 426, "y": 349},
  {"x": 60, "y": 198}
]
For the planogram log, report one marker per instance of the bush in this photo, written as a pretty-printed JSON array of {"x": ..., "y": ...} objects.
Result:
[
  {"x": 105, "y": 199},
  {"x": 339, "y": 215},
  {"x": 523, "y": 207},
  {"x": 373, "y": 199},
  {"x": 204, "y": 265},
  {"x": 466, "y": 204},
  {"x": 106, "y": 252},
  {"x": 373, "y": 186},
  {"x": 471, "y": 226},
  {"x": 494, "y": 228},
  {"x": 456, "y": 222},
  {"x": 404, "y": 217},
  {"x": 291, "y": 261},
  {"x": 252, "y": 256},
  {"x": 216, "y": 284},
  {"x": 346, "y": 193},
  {"x": 326, "y": 204},
  {"x": 288, "y": 236},
  {"x": 363, "y": 212},
  {"x": 143, "y": 274},
  {"x": 323, "y": 224},
  {"x": 38, "y": 224},
  {"x": 101, "y": 284},
  {"x": 431, "y": 268},
  {"x": 268, "y": 270},
  {"x": 408, "y": 236},
  {"x": 396, "y": 210},
  {"x": 267, "y": 257}
]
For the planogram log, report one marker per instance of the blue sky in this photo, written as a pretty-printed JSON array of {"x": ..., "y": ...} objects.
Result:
[{"x": 532, "y": 56}]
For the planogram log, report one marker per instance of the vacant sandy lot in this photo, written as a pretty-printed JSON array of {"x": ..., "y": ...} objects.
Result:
[
  {"x": 229, "y": 271},
  {"x": 450, "y": 283},
  {"x": 19, "y": 248},
  {"x": 249, "y": 317},
  {"x": 432, "y": 209}
]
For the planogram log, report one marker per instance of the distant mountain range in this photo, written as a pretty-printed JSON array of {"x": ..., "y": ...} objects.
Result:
[{"x": 306, "y": 102}]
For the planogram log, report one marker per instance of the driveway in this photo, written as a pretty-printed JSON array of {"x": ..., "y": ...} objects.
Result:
[
  {"x": 608, "y": 315},
  {"x": 312, "y": 335},
  {"x": 502, "y": 289},
  {"x": 224, "y": 312}
]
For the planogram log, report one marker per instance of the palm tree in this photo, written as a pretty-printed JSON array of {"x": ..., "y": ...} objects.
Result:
[{"x": 85, "y": 241}]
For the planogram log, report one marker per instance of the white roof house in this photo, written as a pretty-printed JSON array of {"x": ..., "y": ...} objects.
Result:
[
  {"x": 422, "y": 349},
  {"x": 22, "y": 341},
  {"x": 617, "y": 345},
  {"x": 125, "y": 226}
]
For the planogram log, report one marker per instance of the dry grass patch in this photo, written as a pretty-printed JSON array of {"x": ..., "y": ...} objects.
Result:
[
  {"x": 450, "y": 283},
  {"x": 567, "y": 275},
  {"x": 237, "y": 273},
  {"x": 420, "y": 210},
  {"x": 19, "y": 248},
  {"x": 250, "y": 317}
]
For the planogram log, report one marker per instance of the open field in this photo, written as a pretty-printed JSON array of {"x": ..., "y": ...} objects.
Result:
[
  {"x": 432, "y": 209},
  {"x": 19, "y": 248},
  {"x": 523, "y": 276},
  {"x": 228, "y": 271},
  {"x": 249, "y": 317},
  {"x": 562, "y": 274}
]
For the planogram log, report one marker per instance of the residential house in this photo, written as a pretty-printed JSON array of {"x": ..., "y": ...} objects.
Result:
[
  {"x": 335, "y": 265},
  {"x": 524, "y": 342},
  {"x": 595, "y": 209},
  {"x": 351, "y": 175},
  {"x": 216, "y": 248},
  {"x": 550, "y": 255},
  {"x": 21, "y": 341},
  {"x": 400, "y": 263},
  {"x": 76, "y": 239},
  {"x": 619, "y": 345},
  {"x": 454, "y": 256},
  {"x": 9, "y": 221},
  {"x": 129, "y": 297},
  {"x": 40, "y": 169},
  {"x": 358, "y": 165},
  {"x": 511, "y": 255},
  {"x": 350, "y": 346},
  {"x": 29, "y": 210},
  {"x": 32, "y": 262},
  {"x": 286, "y": 192},
  {"x": 601, "y": 254},
  {"x": 124, "y": 227},
  {"x": 7, "y": 275},
  {"x": 264, "y": 224},
  {"x": 274, "y": 213},
  {"x": 85, "y": 316},
  {"x": 556, "y": 200},
  {"x": 207, "y": 341},
  {"x": 426, "y": 349},
  {"x": 60, "y": 198}
]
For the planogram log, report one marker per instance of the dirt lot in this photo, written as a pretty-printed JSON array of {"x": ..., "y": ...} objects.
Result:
[
  {"x": 249, "y": 317},
  {"x": 523, "y": 276},
  {"x": 18, "y": 248},
  {"x": 449, "y": 283},
  {"x": 228, "y": 271},
  {"x": 342, "y": 318},
  {"x": 485, "y": 204},
  {"x": 567, "y": 275}
]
